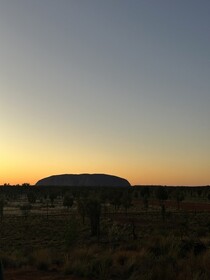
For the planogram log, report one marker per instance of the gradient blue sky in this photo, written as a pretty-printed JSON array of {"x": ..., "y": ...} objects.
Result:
[{"x": 115, "y": 86}]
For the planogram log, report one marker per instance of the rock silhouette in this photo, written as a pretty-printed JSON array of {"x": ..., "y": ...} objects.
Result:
[{"x": 91, "y": 180}]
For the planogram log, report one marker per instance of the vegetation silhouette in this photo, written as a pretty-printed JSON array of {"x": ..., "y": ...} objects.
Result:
[{"x": 110, "y": 232}]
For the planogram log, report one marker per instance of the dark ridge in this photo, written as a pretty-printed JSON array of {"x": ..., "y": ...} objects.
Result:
[{"x": 81, "y": 180}]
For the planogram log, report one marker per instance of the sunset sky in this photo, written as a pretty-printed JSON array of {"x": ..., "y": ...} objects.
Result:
[{"x": 113, "y": 86}]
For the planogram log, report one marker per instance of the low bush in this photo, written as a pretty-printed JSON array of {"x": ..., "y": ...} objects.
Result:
[{"x": 42, "y": 259}]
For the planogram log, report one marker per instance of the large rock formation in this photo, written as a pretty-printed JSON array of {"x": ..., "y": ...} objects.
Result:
[{"x": 91, "y": 180}]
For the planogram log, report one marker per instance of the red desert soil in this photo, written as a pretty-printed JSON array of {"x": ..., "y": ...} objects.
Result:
[{"x": 30, "y": 274}]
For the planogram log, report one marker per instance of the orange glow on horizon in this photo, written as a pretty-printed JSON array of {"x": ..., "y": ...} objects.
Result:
[{"x": 146, "y": 179}]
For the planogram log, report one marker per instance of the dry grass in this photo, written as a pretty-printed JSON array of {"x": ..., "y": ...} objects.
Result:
[{"x": 163, "y": 250}]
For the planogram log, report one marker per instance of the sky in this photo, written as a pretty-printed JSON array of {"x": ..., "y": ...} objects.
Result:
[{"x": 111, "y": 86}]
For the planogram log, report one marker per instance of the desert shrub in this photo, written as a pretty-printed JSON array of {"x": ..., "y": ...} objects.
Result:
[
  {"x": 2, "y": 204},
  {"x": 56, "y": 258},
  {"x": 118, "y": 232},
  {"x": 75, "y": 267},
  {"x": 88, "y": 262},
  {"x": 77, "y": 262},
  {"x": 71, "y": 233},
  {"x": 15, "y": 259},
  {"x": 160, "y": 246},
  {"x": 68, "y": 201},
  {"x": 192, "y": 267},
  {"x": 25, "y": 209},
  {"x": 205, "y": 260},
  {"x": 192, "y": 246},
  {"x": 126, "y": 200},
  {"x": 93, "y": 210},
  {"x": 126, "y": 263},
  {"x": 97, "y": 267},
  {"x": 123, "y": 257},
  {"x": 81, "y": 208},
  {"x": 143, "y": 265},
  {"x": 131, "y": 246},
  {"x": 31, "y": 196},
  {"x": 42, "y": 259}
]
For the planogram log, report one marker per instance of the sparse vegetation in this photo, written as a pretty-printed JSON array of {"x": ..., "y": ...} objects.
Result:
[{"x": 106, "y": 237}]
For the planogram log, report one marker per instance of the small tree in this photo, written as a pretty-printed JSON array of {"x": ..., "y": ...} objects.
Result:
[
  {"x": 81, "y": 208},
  {"x": 115, "y": 199},
  {"x": 126, "y": 200},
  {"x": 52, "y": 197},
  {"x": 25, "y": 209},
  {"x": 93, "y": 210},
  {"x": 162, "y": 195},
  {"x": 2, "y": 203},
  {"x": 68, "y": 201},
  {"x": 31, "y": 197},
  {"x": 145, "y": 193},
  {"x": 25, "y": 185},
  {"x": 199, "y": 192},
  {"x": 47, "y": 201},
  {"x": 134, "y": 230},
  {"x": 71, "y": 233},
  {"x": 179, "y": 195}
]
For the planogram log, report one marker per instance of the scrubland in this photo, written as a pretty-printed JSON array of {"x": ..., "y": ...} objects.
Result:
[{"x": 138, "y": 233}]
